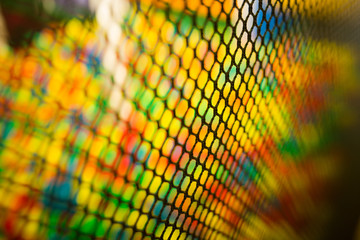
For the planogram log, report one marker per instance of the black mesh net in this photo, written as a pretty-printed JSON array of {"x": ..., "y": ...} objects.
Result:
[{"x": 195, "y": 119}]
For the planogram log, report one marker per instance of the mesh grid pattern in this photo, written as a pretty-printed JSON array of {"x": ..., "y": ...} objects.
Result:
[{"x": 175, "y": 120}]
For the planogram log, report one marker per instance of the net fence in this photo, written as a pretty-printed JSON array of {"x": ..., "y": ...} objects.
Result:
[{"x": 164, "y": 119}]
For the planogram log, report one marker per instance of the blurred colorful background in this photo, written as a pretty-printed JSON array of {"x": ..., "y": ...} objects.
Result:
[{"x": 158, "y": 119}]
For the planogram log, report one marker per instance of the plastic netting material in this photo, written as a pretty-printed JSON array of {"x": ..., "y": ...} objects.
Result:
[{"x": 171, "y": 119}]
